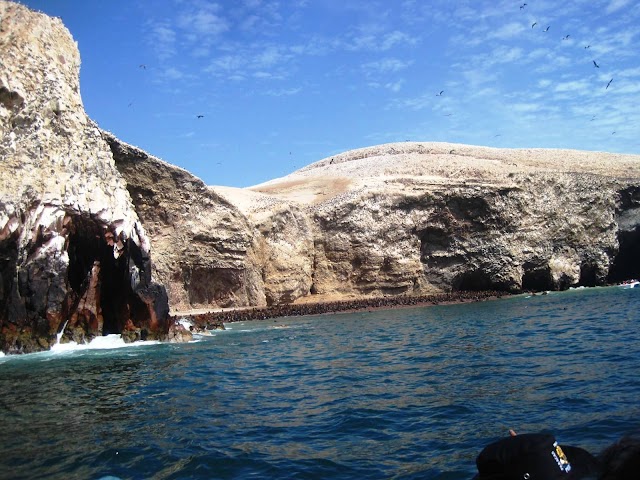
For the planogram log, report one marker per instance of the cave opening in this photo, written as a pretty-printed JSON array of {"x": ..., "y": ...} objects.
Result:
[
  {"x": 474, "y": 281},
  {"x": 588, "y": 275},
  {"x": 537, "y": 279},
  {"x": 626, "y": 264},
  {"x": 90, "y": 246}
]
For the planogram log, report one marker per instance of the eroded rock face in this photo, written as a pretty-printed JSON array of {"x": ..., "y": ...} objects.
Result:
[
  {"x": 204, "y": 249},
  {"x": 73, "y": 253},
  {"x": 391, "y": 220},
  {"x": 425, "y": 217},
  {"x": 284, "y": 243}
]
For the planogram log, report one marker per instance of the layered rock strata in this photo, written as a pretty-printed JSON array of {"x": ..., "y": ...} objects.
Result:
[
  {"x": 73, "y": 254},
  {"x": 419, "y": 217}
]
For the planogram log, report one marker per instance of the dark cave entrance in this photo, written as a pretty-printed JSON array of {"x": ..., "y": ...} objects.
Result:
[
  {"x": 472, "y": 281},
  {"x": 88, "y": 246},
  {"x": 627, "y": 263},
  {"x": 536, "y": 279},
  {"x": 589, "y": 275},
  {"x": 478, "y": 281}
]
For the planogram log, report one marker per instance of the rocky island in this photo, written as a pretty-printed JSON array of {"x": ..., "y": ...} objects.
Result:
[{"x": 98, "y": 236}]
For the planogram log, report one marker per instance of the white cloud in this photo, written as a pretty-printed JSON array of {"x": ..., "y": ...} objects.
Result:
[
  {"x": 507, "y": 31},
  {"x": 163, "y": 39},
  {"x": 203, "y": 23},
  {"x": 577, "y": 87},
  {"x": 394, "y": 86},
  {"x": 371, "y": 39},
  {"x": 615, "y": 5},
  {"x": 386, "y": 65},
  {"x": 271, "y": 56},
  {"x": 227, "y": 63},
  {"x": 526, "y": 107},
  {"x": 172, "y": 74},
  {"x": 284, "y": 92}
]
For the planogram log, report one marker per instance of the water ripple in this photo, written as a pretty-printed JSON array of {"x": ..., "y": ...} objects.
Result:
[{"x": 406, "y": 393}]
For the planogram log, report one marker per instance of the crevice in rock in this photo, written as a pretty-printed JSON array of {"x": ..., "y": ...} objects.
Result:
[
  {"x": 11, "y": 100},
  {"x": 626, "y": 264},
  {"x": 537, "y": 278},
  {"x": 473, "y": 281},
  {"x": 212, "y": 286},
  {"x": 589, "y": 275},
  {"x": 121, "y": 269},
  {"x": 8, "y": 262}
]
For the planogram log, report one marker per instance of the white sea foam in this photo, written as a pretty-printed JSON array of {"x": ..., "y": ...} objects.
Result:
[
  {"x": 185, "y": 322},
  {"x": 100, "y": 343}
]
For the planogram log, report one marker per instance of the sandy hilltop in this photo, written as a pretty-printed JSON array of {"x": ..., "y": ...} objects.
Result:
[
  {"x": 99, "y": 236},
  {"x": 429, "y": 165}
]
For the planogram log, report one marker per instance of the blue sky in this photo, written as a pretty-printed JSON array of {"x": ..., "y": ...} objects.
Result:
[{"x": 282, "y": 84}]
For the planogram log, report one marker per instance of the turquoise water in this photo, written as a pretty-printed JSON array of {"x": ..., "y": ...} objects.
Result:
[{"x": 406, "y": 393}]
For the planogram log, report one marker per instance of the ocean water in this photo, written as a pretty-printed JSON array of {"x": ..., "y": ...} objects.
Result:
[{"x": 406, "y": 393}]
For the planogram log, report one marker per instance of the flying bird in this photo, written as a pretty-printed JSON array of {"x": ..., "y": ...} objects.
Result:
[
  {"x": 608, "y": 84},
  {"x": 143, "y": 66},
  {"x": 440, "y": 94},
  {"x": 522, "y": 6},
  {"x": 200, "y": 116},
  {"x": 566, "y": 37},
  {"x": 534, "y": 24},
  {"x": 596, "y": 65},
  {"x": 547, "y": 29},
  {"x": 588, "y": 46}
]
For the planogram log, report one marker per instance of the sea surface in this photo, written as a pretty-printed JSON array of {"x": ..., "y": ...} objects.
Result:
[{"x": 405, "y": 393}]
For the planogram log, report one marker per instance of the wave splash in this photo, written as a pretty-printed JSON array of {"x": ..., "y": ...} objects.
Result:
[{"x": 105, "y": 342}]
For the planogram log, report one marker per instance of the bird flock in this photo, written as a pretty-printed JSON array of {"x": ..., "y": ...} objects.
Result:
[{"x": 566, "y": 37}]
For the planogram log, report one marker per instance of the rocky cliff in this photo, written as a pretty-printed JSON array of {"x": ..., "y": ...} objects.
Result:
[
  {"x": 73, "y": 253},
  {"x": 80, "y": 211},
  {"x": 419, "y": 217},
  {"x": 212, "y": 252},
  {"x": 407, "y": 218}
]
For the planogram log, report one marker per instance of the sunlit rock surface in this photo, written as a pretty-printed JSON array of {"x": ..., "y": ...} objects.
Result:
[
  {"x": 72, "y": 249},
  {"x": 417, "y": 217},
  {"x": 204, "y": 248}
]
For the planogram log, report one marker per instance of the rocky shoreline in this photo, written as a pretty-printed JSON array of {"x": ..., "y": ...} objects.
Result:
[{"x": 216, "y": 319}]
